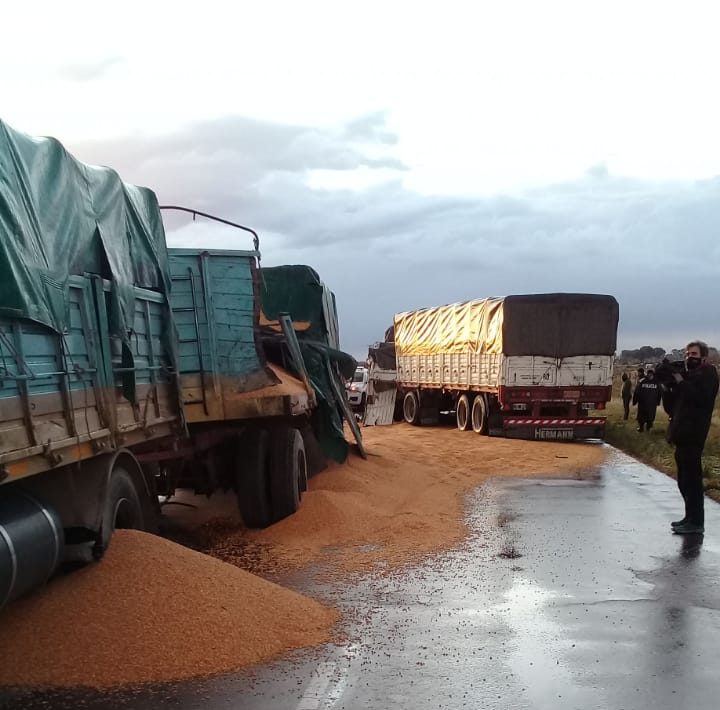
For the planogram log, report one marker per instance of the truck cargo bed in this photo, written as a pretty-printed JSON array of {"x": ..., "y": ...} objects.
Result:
[
  {"x": 65, "y": 397},
  {"x": 224, "y": 374}
]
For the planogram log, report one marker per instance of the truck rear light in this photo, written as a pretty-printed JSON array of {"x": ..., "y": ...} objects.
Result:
[{"x": 600, "y": 405}]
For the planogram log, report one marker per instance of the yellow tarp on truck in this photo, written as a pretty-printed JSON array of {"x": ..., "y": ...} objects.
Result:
[{"x": 551, "y": 325}]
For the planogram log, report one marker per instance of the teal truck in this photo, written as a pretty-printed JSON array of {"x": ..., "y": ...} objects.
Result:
[{"x": 129, "y": 370}]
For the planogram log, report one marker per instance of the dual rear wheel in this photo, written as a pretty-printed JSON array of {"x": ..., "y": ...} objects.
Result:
[
  {"x": 271, "y": 474},
  {"x": 471, "y": 412}
]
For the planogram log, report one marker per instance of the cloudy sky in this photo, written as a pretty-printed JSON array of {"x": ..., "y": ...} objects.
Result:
[{"x": 413, "y": 153}]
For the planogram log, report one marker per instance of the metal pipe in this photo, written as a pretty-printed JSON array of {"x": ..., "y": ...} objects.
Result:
[
  {"x": 256, "y": 238},
  {"x": 199, "y": 344}
]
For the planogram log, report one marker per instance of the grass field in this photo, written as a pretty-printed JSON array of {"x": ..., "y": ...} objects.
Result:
[{"x": 651, "y": 446}]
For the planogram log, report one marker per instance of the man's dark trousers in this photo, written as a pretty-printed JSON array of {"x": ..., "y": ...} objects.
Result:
[{"x": 690, "y": 482}]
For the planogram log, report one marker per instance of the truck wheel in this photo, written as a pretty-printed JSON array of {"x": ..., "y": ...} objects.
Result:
[
  {"x": 122, "y": 507},
  {"x": 462, "y": 413},
  {"x": 411, "y": 408},
  {"x": 479, "y": 415},
  {"x": 252, "y": 478},
  {"x": 288, "y": 472}
]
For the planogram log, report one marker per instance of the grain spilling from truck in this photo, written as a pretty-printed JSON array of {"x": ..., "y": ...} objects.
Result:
[
  {"x": 401, "y": 505},
  {"x": 152, "y": 611}
]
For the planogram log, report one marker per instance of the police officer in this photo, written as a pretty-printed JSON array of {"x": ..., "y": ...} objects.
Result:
[
  {"x": 647, "y": 398},
  {"x": 694, "y": 393}
]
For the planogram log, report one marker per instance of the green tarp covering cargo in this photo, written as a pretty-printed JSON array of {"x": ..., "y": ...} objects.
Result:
[
  {"x": 86, "y": 343},
  {"x": 60, "y": 217}
]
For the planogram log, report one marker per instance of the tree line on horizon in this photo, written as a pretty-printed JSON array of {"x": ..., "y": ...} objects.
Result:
[{"x": 648, "y": 353}]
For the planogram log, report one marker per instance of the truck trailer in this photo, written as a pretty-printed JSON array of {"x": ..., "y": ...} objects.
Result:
[
  {"x": 535, "y": 366},
  {"x": 128, "y": 370}
]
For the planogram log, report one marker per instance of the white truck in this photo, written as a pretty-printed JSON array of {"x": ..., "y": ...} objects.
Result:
[{"x": 526, "y": 366}]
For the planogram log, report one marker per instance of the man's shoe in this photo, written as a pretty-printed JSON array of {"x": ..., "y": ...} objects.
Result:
[
  {"x": 675, "y": 523},
  {"x": 688, "y": 529}
]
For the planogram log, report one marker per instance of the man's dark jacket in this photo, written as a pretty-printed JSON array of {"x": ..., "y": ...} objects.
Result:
[
  {"x": 693, "y": 407},
  {"x": 647, "y": 395}
]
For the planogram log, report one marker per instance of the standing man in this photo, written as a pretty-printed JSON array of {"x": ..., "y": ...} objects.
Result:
[
  {"x": 647, "y": 398},
  {"x": 626, "y": 393},
  {"x": 694, "y": 394}
]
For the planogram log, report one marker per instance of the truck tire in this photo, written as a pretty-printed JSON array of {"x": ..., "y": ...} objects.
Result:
[
  {"x": 479, "y": 415},
  {"x": 252, "y": 477},
  {"x": 288, "y": 472},
  {"x": 411, "y": 408},
  {"x": 123, "y": 509},
  {"x": 462, "y": 413}
]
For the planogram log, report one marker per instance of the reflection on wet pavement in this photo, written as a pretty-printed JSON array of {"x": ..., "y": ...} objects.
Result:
[{"x": 569, "y": 594}]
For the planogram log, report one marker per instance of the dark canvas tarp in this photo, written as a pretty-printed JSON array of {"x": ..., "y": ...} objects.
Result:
[
  {"x": 560, "y": 324},
  {"x": 60, "y": 217},
  {"x": 383, "y": 354}
]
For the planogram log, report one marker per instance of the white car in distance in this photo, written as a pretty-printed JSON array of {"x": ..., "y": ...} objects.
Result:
[{"x": 357, "y": 389}]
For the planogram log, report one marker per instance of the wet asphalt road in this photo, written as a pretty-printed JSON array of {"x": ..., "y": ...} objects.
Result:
[{"x": 569, "y": 594}]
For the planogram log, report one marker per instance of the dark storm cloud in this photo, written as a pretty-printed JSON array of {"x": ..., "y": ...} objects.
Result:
[
  {"x": 386, "y": 248},
  {"x": 235, "y": 146},
  {"x": 237, "y": 166}
]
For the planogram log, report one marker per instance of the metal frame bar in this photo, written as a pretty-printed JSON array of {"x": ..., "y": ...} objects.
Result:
[
  {"x": 23, "y": 389},
  {"x": 194, "y": 213}
]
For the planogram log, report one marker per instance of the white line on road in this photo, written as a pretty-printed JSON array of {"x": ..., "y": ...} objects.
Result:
[{"x": 315, "y": 692}]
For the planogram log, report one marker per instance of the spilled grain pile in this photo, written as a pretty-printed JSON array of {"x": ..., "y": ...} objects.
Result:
[
  {"x": 152, "y": 611},
  {"x": 405, "y": 502}
]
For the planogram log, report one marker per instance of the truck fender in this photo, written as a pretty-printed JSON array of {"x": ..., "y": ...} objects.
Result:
[
  {"x": 78, "y": 492},
  {"x": 144, "y": 485}
]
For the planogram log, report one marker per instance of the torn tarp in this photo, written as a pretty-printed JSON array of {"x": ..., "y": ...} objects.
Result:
[{"x": 298, "y": 291}]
